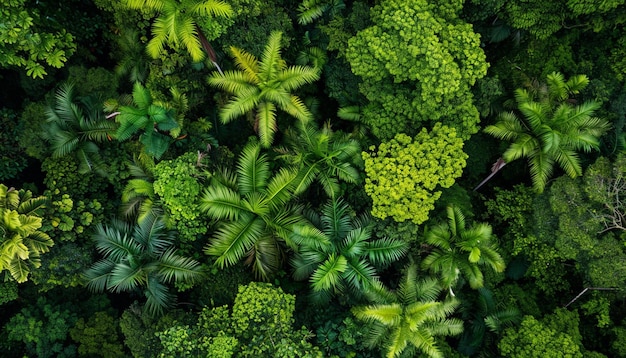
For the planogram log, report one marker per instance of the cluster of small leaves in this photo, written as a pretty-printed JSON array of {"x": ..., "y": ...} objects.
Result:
[
  {"x": 63, "y": 266},
  {"x": 178, "y": 183},
  {"x": 24, "y": 45},
  {"x": 98, "y": 336},
  {"x": 12, "y": 160},
  {"x": 431, "y": 57},
  {"x": 43, "y": 329},
  {"x": 403, "y": 175},
  {"x": 8, "y": 292}
]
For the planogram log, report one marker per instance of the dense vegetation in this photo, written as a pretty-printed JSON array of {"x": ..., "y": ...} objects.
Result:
[{"x": 313, "y": 178}]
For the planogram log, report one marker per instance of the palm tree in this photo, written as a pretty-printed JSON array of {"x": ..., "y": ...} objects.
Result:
[
  {"x": 345, "y": 263},
  {"x": 552, "y": 131},
  {"x": 411, "y": 318},
  {"x": 73, "y": 128},
  {"x": 484, "y": 315},
  {"x": 149, "y": 117},
  {"x": 140, "y": 257},
  {"x": 322, "y": 155},
  {"x": 264, "y": 85},
  {"x": 177, "y": 25},
  {"x": 139, "y": 201},
  {"x": 460, "y": 251},
  {"x": 21, "y": 242},
  {"x": 256, "y": 218}
]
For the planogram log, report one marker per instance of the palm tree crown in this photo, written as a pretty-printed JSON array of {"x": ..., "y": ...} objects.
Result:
[
  {"x": 140, "y": 255},
  {"x": 256, "y": 216},
  {"x": 553, "y": 128},
  {"x": 264, "y": 85},
  {"x": 461, "y": 251},
  {"x": 411, "y": 317},
  {"x": 21, "y": 242},
  {"x": 346, "y": 262}
]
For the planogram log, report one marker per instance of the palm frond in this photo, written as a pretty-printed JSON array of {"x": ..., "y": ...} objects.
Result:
[
  {"x": 234, "y": 239},
  {"x": 158, "y": 297},
  {"x": 116, "y": 244},
  {"x": 244, "y": 102},
  {"x": 280, "y": 188},
  {"x": 270, "y": 64},
  {"x": 125, "y": 278},
  {"x": 265, "y": 123},
  {"x": 540, "y": 170},
  {"x": 173, "y": 267},
  {"x": 387, "y": 314},
  {"x": 252, "y": 169},
  {"x": 525, "y": 146},
  {"x": 188, "y": 35},
  {"x": 220, "y": 203},
  {"x": 311, "y": 10},
  {"x": 247, "y": 63},
  {"x": 265, "y": 257},
  {"x": 97, "y": 276},
  {"x": 19, "y": 270},
  {"x": 359, "y": 275},
  {"x": 295, "y": 77},
  {"x": 328, "y": 275},
  {"x": 569, "y": 161},
  {"x": 234, "y": 82},
  {"x": 336, "y": 219},
  {"x": 384, "y": 251},
  {"x": 305, "y": 262}
]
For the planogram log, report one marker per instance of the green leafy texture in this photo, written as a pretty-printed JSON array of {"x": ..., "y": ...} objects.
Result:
[
  {"x": 256, "y": 218},
  {"x": 178, "y": 183},
  {"x": 545, "y": 338},
  {"x": 410, "y": 318},
  {"x": 140, "y": 258},
  {"x": 403, "y": 174},
  {"x": 8, "y": 292},
  {"x": 345, "y": 262},
  {"x": 552, "y": 129},
  {"x": 149, "y": 117},
  {"x": 12, "y": 158},
  {"x": 458, "y": 250},
  {"x": 263, "y": 86},
  {"x": 177, "y": 24},
  {"x": 25, "y": 44},
  {"x": 21, "y": 240},
  {"x": 76, "y": 129},
  {"x": 311, "y": 10},
  {"x": 139, "y": 199},
  {"x": 323, "y": 156},
  {"x": 485, "y": 319},
  {"x": 98, "y": 336},
  {"x": 43, "y": 329},
  {"x": 418, "y": 62}
]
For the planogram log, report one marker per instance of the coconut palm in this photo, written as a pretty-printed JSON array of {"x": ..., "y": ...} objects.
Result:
[
  {"x": 21, "y": 241},
  {"x": 458, "y": 251},
  {"x": 552, "y": 130},
  {"x": 263, "y": 86},
  {"x": 177, "y": 25},
  {"x": 140, "y": 258},
  {"x": 256, "y": 217},
  {"x": 322, "y": 155},
  {"x": 76, "y": 128},
  {"x": 346, "y": 262},
  {"x": 411, "y": 317}
]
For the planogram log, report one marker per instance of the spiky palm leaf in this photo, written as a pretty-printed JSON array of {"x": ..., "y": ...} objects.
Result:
[
  {"x": 176, "y": 24},
  {"x": 346, "y": 259},
  {"x": 410, "y": 317},
  {"x": 264, "y": 85},
  {"x": 460, "y": 250},
  {"x": 140, "y": 256},
  {"x": 552, "y": 129}
]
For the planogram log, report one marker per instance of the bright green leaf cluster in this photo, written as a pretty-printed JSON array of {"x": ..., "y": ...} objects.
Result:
[{"x": 403, "y": 175}]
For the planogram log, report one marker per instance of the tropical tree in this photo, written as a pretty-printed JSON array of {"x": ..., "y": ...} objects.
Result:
[
  {"x": 460, "y": 251},
  {"x": 552, "y": 130},
  {"x": 140, "y": 256},
  {"x": 264, "y": 85},
  {"x": 411, "y": 317},
  {"x": 139, "y": 201},
  {"x": 256, "y": 218},
  {"x": 150, "y": 117},
  {"x": 322, "y": 155},
  {"x": 75, "y": 128},
  {"x": 21, "y": 241},
  {"x": 177, "y": 25},
  {"x": 346, "y": 262}
]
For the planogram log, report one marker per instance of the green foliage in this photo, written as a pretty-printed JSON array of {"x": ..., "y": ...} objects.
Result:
[
  {"x": 256, "y": 218},
  {"x": 552, "y": 129},
  {"x": 149, "y": 117},
  {"x": 403, "y": 175},
  {"x": 418, "y": 62},
  {"x": 554, "y": 336},
  {"x": 21, "y": 240},
  {"x": 140, "y": 256},
  {"x": 43, "y": 329},
  {"x": 263, "y": 86},
  {"x": 24, "y": 43},
  {"x": 98, "y": 336},
  {"x": 345, "y": 262},
  {"x": 176, "y": 24},
  {"x": 324, "y": 156},
  {"x": 343, "y": 338},
  {"x": 178, "y": 185},
  {"x": 410, "y": 318},
  {"x": 63, "y": 266},
  {"x": 458, "y": 250},
  {"x": 29, "y": 138},
  {"x": 8, "y": 292},
  {"x": 12, "y": 159}
]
